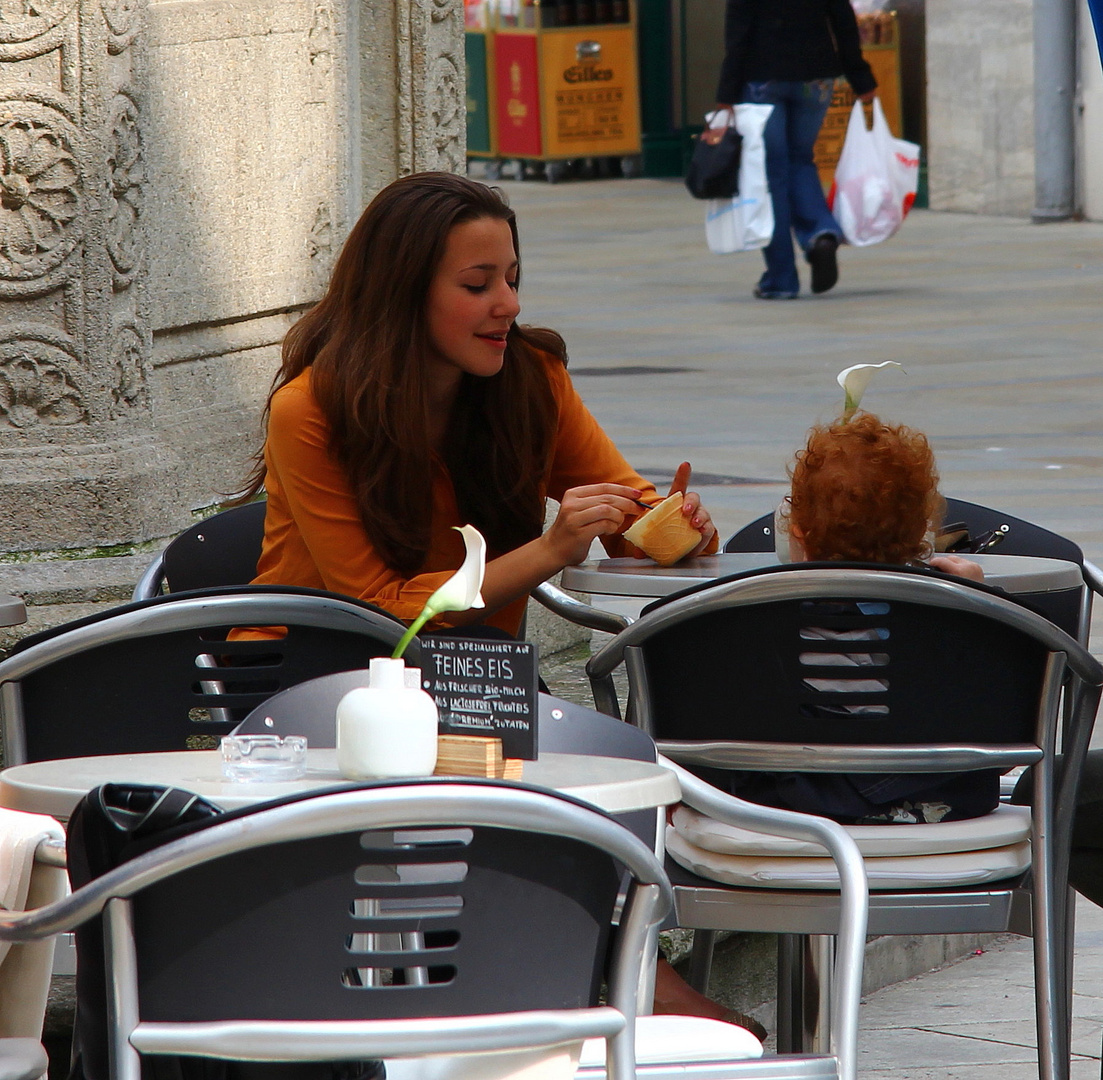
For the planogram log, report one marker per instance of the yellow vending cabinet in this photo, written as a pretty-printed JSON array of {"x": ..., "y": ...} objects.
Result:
[{"x": 567, "y": 93}]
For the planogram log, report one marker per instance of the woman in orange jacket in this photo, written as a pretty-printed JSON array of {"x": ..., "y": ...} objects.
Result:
[{"x": 410, "y": 400}]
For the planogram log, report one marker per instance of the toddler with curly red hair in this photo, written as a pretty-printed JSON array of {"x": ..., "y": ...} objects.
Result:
[{"x": 866, "y": 491}]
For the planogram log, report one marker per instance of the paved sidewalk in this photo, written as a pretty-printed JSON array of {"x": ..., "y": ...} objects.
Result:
[
  {"x": 974, "y": 1020},
  {"x": 1000, "y": 326}
]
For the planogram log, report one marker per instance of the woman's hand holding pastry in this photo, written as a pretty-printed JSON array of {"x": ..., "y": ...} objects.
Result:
[
  {"x": 585, "y": 514},
  {"x": 692, "y": 509}
]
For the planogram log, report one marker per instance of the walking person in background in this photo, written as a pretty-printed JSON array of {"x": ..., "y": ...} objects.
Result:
[{"x": 787, "y": 53}]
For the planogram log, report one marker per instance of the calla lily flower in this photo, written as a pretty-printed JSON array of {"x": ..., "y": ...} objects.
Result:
[
  {"x": 854, "y": 381},
  {"x": 460, "y": 592}
]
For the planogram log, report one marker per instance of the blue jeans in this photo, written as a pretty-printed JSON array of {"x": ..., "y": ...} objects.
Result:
[{"x": 799, "y": 204}]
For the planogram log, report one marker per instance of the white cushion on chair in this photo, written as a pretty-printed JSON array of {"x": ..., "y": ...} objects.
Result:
[
  {"x": 1003, "y": 826},
  {"x": 546, "y": 1063},
  {"x": 668, "y": 1039},
  {"x": 916, "y": 871},
  {"x": 660, "y": 1040}
]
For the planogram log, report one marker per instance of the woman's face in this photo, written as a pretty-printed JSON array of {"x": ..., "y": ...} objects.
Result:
[{"x": 472, "y": 301}]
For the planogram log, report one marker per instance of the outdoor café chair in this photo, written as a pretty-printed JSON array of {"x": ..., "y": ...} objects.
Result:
[
  {"x": 568, "y": 728},
  {"x": 253, "y": 936},
  {"x": 950, "y": 677},
  {"x": 223, "y": 550},
  {"x": 160, "y": 675}
]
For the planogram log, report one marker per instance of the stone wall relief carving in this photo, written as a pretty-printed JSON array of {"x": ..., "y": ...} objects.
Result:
[
  {"x": 125, "y": 176},
  {"x": 129, "y": 384},
  {"x": 123, "y": 20},
  {"x": 447, "y": 106},
  {"x": 36, "y": 387},
  {"x": 41, "y": 193},
  {"x": 29, "y": 29},
  {"x": 444, "y": 145}
]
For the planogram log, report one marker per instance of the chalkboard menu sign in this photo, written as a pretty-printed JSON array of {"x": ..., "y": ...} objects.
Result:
[{"x": 483, "y": 687}]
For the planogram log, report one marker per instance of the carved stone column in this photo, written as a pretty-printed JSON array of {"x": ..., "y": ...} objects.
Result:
[
  {"x": 175, "y": 181},
  {"x": 74, "y": 338}
]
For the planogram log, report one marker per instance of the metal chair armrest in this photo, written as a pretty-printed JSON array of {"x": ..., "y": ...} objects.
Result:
[
  {"x": 51, "y": 852},
  {"x": 149, "y": 584},
  {"x": 1093, "y": 576},
  {"x": 575, "y": 611},
  {"x": 853, "y": 892}
]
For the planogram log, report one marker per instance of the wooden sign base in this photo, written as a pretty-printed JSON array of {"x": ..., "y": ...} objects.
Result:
[{"x": 475, "y": 755}]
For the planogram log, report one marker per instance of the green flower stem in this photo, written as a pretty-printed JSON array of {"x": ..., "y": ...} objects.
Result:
[{"x": 410, "y": 634}]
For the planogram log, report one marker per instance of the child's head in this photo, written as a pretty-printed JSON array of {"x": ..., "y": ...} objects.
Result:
[{"x": 864, "y": 491}]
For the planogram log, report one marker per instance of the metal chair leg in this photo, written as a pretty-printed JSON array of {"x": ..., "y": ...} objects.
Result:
[
  {"x": 817, "y": 995},
  {"x": 805, "y": 970},
  {"x": 700, "y": 960},
  {"x": 790, "y": 992}
]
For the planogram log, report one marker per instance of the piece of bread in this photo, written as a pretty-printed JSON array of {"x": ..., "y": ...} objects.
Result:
[{"x": 665, "y": 532}]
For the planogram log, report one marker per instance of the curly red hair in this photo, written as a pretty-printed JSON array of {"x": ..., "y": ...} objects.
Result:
[{"x": 865, "y": 491}]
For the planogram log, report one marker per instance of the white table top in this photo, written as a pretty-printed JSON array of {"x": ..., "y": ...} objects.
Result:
[
  {"x": 615, "y": 785},
  {"x": 642, "y": 577}
]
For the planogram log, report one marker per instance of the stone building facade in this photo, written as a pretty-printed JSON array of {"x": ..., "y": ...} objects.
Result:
[{"x": 980, "y": 108}]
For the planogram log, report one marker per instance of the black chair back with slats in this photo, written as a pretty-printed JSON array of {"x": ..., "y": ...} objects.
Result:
[
  {"x": 1019, "y": 537},
  {"x": 137, "y": 681},
  {"x": 841, "y": 671},
  {"x": 308, "y": 929},
  {"x": 378, "y": 925}
]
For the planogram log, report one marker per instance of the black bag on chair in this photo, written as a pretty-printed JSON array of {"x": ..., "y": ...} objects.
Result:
[
  {"x": 713, "y": 171},
  {"x": 109, "y": 826}
]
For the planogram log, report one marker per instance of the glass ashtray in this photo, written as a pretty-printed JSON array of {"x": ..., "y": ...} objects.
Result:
[{"x": 263, "y": 759}]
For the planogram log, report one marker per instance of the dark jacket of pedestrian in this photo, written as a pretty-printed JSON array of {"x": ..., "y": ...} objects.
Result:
[{"x": 791, "y": 41}]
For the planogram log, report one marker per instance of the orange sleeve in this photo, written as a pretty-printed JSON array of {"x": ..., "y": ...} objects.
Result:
[{"x": 314, "y": 529}]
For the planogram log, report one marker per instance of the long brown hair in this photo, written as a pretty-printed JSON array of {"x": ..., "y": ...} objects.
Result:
[{"x": 366, "y": 341}]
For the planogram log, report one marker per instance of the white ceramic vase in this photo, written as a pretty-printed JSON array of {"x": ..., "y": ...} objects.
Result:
[{"x": 386, "y": 730}]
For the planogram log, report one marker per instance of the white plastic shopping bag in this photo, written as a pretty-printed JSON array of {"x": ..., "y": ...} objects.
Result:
[
  {"x": 875, "y": 179},
  {"x": 746, "y": 221}
]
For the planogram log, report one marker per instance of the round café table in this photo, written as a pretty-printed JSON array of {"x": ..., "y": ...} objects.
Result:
[
  {"x": 616, "y": 785},
  {"x": 1018, "y": 574}
]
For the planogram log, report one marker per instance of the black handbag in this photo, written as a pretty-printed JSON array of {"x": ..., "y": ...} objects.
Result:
[{"x": 713, "y": 171}]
